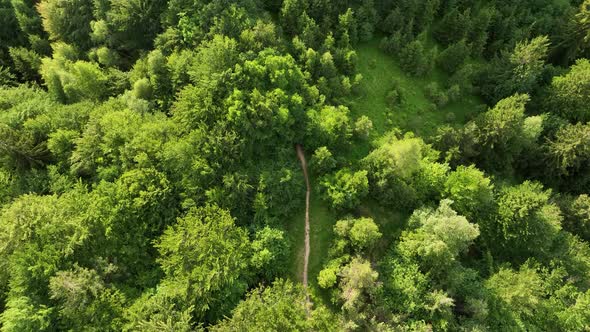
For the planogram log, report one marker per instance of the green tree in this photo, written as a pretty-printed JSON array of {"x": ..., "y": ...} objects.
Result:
[
  {"x": 570, "y": 150},
  {"x": 85, "y": 302},
  {"x": 279, "y": 307},
  {"x": 569, "y": 156},
  {"x": 471, "y": 192},
  {"x": 395, "y": 170},
  {"x": 577, "y": 216},
  {"x": 499, "y": 132},
  {"x": 437, "y": 237},
  {"x": 322, "y": 161},
  {"x": 71, "y": 82},
  {"x": 415, "y": 59},
  {"x": 517, "y": 297},
  {"x": 67, "y": 21},
  {"x": 568, "y": 94},
  {"x": 357, "y": 284},
  {"x": 453, "y": 26},
  {"x": 270, "y": 252},
  {"x": 207, "y": 250},
  {"x": 527, "y": 222},
  {"x": 331, "y": 126},
  {"x": 363, "y": 127},
  {"x": 453, "y": 56},
  {"x": 363, "y": 233},
  {"x": 518, "y": 71},
  {"x": 345, "y": 189}
]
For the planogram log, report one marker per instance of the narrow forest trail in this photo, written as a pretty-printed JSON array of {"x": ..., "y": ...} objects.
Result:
[{"x": 301, "y": 156}]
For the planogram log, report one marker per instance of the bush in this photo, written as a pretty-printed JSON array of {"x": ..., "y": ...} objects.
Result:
[
  {"x": 450, "y": 117},
  {"x": 363, "y": 127},
  {"x": 393, "y": 97},
  {"x": 436, "y": 95},
  {"x": 415, "y": 60},
  {"x": 453, "y": 57},
  {"x": 463, "y": 78},
  {"x": 454, "y": 93},
  {"x": 372, "y": 64},
  {"x": 345, "y": 189},
  {"x": 322, "y": 161}
]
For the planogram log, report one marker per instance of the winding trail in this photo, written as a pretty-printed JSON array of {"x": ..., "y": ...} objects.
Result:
[{"x": 301, "y": 156}]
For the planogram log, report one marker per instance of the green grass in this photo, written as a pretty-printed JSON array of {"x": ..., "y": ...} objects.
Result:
[{"x": 380, "y": 73}]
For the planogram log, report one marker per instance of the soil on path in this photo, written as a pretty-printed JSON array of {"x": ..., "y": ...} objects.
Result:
[{"x": 301, "y": 156}]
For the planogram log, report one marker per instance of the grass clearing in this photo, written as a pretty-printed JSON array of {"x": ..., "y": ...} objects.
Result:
[{"x": 381, "y": 72}]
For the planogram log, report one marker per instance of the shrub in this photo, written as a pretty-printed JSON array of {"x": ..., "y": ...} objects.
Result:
[
  {"x": 363, "y": 127},
  {"x": 436, "y": 95},
  {"x": 453, "y": 57}
]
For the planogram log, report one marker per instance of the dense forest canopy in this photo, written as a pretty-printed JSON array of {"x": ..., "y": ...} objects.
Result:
[{"x": 149, "y": 179}]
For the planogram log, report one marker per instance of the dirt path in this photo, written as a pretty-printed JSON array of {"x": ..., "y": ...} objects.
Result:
[{"x": 301, "y": 157}]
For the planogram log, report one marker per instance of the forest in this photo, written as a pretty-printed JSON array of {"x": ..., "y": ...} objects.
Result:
[{"x": 294, "y": 165}]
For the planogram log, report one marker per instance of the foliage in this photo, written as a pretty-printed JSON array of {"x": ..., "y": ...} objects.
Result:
[
  {"x": 527, "y": 222},
  {"x": 279, "y": 307},
  {"x": 439, "y": 236},
  {"x": 568, "y": 94},
  {"x": 345, "y": 189},
  {"x": 471, "y": 192},
  {"x": 218, "y": 271},
  {"x": 149, "y": 181},
  {"x": 415, "y": 59}
]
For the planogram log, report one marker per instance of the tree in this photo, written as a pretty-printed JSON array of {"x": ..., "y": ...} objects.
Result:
[
  {"x": 453, "y": 56},
  {"x": 499, "y": 131},
  {"x": 270, "y": 252},
  {"x": 395, "y": 170},
  {"x": 279, "y": 307},
  {"x": 437, "y": 237},
  {"x": 345, "y": 189},
  {"x": 527, "y": 222},
  {"x": 278, "y": 193},
  {"x": 358, "y": 282},
  {"x": 453, "y": 27},
  {"x": 362, "y": 233},
  {"x": 415, "y": 60},
  {"x": 85, "y": 302},
  {"x": 576, "y": 36},
  {"x": 363, "y": 127},
  {"x": 568, "y": 94},
  {"x": 517, "y": 297},
  {"x": 67, "y": 21},
  {"x": 70, "y": 82},
  {"x": 207, "y": 250},
  {"x": 577, "y": 216},
  {"x": 41, "y": 234},
  {"x": 568, "y": 155},
  {"x": 322, "y": 161},
  {"x": 9, "y": 33},
  {"x": 267, "y": 104},
  {"x": 330, "y": 126},
  {"x": 133, "y": 24},
  {"x": 518, "y": 71},
  {"x": 471, "y": 192}
]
